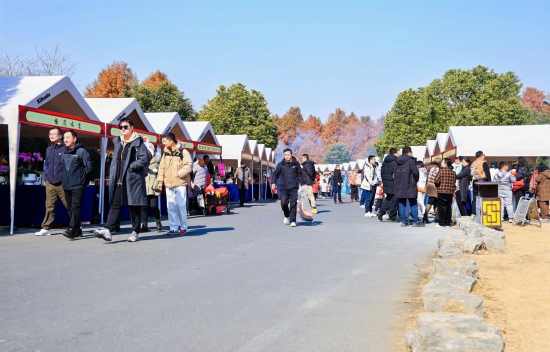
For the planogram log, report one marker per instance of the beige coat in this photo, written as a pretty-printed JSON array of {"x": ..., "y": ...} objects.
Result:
[
  {"x": 239, "y": 177},
  {"x": 151, "y": 183},
  {"x": 175, "y": 168}
]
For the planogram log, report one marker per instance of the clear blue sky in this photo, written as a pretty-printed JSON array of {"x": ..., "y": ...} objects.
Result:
[{"x": 318, "y": 55}]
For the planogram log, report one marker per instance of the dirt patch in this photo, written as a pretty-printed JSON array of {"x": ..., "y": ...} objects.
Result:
[{"x": 515, "y": 286}]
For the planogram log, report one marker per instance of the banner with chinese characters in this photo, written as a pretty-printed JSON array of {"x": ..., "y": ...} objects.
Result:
[
  {"x": 208, "y": 148},
  {"x": 190, "y": 146},
  {"x": 272, "y": 165},
  {"x": 436, "y": 156},
  {"x": 246, "y": 156},
  {"x": 449, "y": 153},
  {"x": 48, "y": 119},
  {"x": 264, "y": 163},
  {"x": 114, "y": 131},
  {"x": 427, "y": 160},
  {"x": 256, "y": 159}
]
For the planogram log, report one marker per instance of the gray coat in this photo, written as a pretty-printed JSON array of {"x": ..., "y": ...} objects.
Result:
[
  {"x": 134, "y": 170},
  {"x": 151, "y": 180}
]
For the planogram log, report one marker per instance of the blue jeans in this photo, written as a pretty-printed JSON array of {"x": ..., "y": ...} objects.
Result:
[
  {"x": 338, "y": 192},
  {"x": 403, "y": 215},
  {"x": 369, "y": 201},
  {"x": 363, "y": 197}
]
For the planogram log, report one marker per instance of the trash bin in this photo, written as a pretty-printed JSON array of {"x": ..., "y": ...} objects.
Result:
[{"x": 488, "y": 205}]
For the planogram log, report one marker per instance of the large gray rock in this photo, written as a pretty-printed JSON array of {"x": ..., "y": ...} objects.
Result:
[
  {"x": 494, "y": 242},
  {"x": 446, "y": 297},
  {"x": 452, "y": 332},
  {"x": 452, "y": 241},
  {"x": 465, "y": 267},
  {"x": 472, "y": 245},
  {"x": 449, "y": 253},
  {"x": 463, "y": 283}
]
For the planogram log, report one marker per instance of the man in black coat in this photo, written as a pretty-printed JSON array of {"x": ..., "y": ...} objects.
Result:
[
  {"x": 76, "y": 168},
  {"x": 291, "y": 175},
  {"x": 337, "y": 181},
  {"x": 390, "y": 202},
  {"x": 308, "y": 178},
  {"x": 406, "y": 177}
]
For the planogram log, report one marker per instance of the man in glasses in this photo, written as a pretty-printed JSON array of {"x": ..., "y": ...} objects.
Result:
[
  {"x": 53, "y": 177},
  {"x": 129, "y": 167}
]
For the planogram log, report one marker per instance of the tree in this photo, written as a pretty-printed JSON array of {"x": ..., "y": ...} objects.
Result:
[
  {"x": 308, "y": 142},
  {"x": 43, "y": 63},
  {"x": 532, "y": 98},
  {"x": 162, "y": 96},
  {"x": 112, "y": 81},
  {"x": 235, "y": 110},
  {"x": 337, "y": 153},
  {"x": 476, "y": 97},
  {"x": 335, "y": 123},
  {"x": 365, "y": 118},
  {"x": 155, "y": 78},
  {"x": 288, "y": 125},
  {"x": 313, "y": 124}
]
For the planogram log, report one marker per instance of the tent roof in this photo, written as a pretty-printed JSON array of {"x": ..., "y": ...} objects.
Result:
[
  {"x": 111, "y": 110},
  {"x": 353, "y": 165},
  {"x": 345, "y": 167},
  {"x": 261, "y": 152},
  {"x": 419, "y": 151},
  {"x": 361, "y": 163},
  {"x": 253, "y": 144},
  {"x": 52, "y": 93},
  {"x": 331, "y": 167},
  {"x": 269, "y": 154},
  {"x": 164, "y": 122},
  {"x": 440, "y": 142},
  {"x": 201, "y": 130},
  {"x": 498, "y": 141},
  {"x": 233, "y": 145},
  {"x": 430, "y": 146}
]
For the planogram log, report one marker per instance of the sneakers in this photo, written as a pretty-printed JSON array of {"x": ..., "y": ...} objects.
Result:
[
  {"x": 420, "y": 224},
  {"x": 103, "y": 233},
  {"x": 144, "y": 227},
  {"x": 134, "y": 237},
  {"x": 385, "y": 217},
  {"x": 293, "y": 224},
  {"x": 70, "y": 233},
  {"x": 335, "y": 202},
  {"x": 172, "y": 232},
  {"x": 404, "y": 224},
  {"x": 286, "y": 221},
  {"x": 369, "y": 215},
  {"x": 473, "y": 217},
  {"x": 314, "y": 211},
  {"x": 43, "y": 233},
  {"x": 340, "y": 202},
  {"x": 362, "y": 206},
  {"x": 183, "y": 232},
  {"x": 439, "y": 226},
  {"x": 159, "y": 227}
]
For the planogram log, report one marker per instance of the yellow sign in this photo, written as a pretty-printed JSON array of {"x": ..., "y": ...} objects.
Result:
[
  {"x": 63, "y": 122},
  {"x": 491, "y": 215}
]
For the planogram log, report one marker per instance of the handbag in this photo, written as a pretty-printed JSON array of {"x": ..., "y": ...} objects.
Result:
[{"x": 221, "y": 169}]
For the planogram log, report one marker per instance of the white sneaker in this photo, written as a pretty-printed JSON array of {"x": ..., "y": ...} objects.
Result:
[
  {"x": 511, "y": 221},
  {"x": 385, "y": 217},
  {"x": 103, "y": 233},
  {"x": 437, "y": 225},
  {"x": 473, "y": 217},
  {"x": 43, "y": 233},
  {"x": 286, "y": 221},
  {"x": 293, "y": 224},
  {"x": 368, "y": 215},
  {"x": 134, "y": 237},
  {"x": 362, "y": 206}
]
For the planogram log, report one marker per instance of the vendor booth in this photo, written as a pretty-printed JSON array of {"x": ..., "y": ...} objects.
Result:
[
  {"x": 170, "y": 122},
  {"x": 430, "y": 146},
  {"x": 255, "y": 163},
  {"x": 361, "y": 164},
  {"x": 29, "y": 106},
  {"x": 206, "y": 141},
  {"x": 439, "y": 147},
  {"x": 419, "y": 152}
]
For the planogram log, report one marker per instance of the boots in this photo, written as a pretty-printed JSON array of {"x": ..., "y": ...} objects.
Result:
[
  {"x": 425, "y": 218},
  {"x": 144, "y": 228},
  {"x": 159, "y": 226}
]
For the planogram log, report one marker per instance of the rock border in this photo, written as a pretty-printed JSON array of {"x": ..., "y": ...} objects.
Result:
[{"x": 452, "y": 314}]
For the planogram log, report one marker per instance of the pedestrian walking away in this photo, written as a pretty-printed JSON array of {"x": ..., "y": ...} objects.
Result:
[
  {"x": 506, "y": 181},
  {"x": 129, "y": 167},
  {"x": 406, "y": 178},
  {"x": 175, "y": 174},
  {"x": 77, "y": 167},
  {"x": 445, "y": 181},
  {"x": 53, "y": 176},
  {"x": 308, "y": 177},
  {"x": 242, "y": 179},
  {"x": 480, "y": 172},
  {"x": 421, "y": 186},
  {"x": 464, "y": 178},
  {"x": 153, "y": 192},
  {"x": 337, "y": 181},
  {"x": 542, "y": 177},
  {"x": 389, "y": 204},
  {"x": 290, "y": 171},
  {"x": 368, "y": 185}
]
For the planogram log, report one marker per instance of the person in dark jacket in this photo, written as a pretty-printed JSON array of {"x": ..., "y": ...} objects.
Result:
[
  {"x": 337, "y": 181},
  {"x": 52, "y": 178},
  {"x": 291, "y": 175},
  {"x": 406, "y": 177},
  {"x": 129, "y": 167},
  {"x": 390, "y": 201},
  {"x": 308, "y": 178},
  {"x": 211, "y": 170},
  {"x": 76, "y": 168},
  {"x": 464, "y": 178},
  {"x": 445, "y": 182},
  {"x": 522, "y": 173}
]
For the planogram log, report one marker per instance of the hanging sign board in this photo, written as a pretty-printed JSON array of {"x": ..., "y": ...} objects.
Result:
[
  {"x": 208, "y": 148},
  {"x": 449, "y": 153},
  {"x": 187, "y": 144},
  {"x": 427, "y": 160},
  {"x": 256, "y": 159},
  {"x": 436, "y": 156},
  {"x": 49, "y": 119},
  {"x": 114, "y": 131},
  {"x": 264, "y": 163},
  {"x": 246, "y": 156}
]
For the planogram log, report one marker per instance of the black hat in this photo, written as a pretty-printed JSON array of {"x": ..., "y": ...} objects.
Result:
[{"x": 243, "y": 162}]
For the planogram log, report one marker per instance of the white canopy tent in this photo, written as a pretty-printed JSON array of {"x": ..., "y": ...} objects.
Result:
[
  {"x": 233, "y": 147},
  {"x": 322, "y": 167},
  {"x": 253, "y": 145},
  {"x": 331, "y": 167},
  {"x": 440, "y": 143},
  {"x": 430, "y": 145},
  {"x": 263, "y": 166},
  {"x": 202, "y": 132},
  {"x": 419, "y": 152},
  {"x": 496, "y": 142},
  {"x": 51, "y": 93},
  {"x": 353, "y": 165},
  {"x": 344, "y": 167},
  {"x": 165, "y": 122},
  {"x": 361, "y": 163}
]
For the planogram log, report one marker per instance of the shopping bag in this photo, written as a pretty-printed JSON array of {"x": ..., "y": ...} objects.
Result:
[
  {"x": 200, "y": 200},
  {"x": 304, "y": 208},
  {"x": 221, "y": 169},
  {"x": 455, "y": 210}
]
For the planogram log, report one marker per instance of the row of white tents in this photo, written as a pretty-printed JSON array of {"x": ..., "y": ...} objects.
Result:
[{"x": 30, "y": 106}]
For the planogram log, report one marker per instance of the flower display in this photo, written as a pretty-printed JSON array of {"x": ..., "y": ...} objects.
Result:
[{"x": 30, "y": 162}]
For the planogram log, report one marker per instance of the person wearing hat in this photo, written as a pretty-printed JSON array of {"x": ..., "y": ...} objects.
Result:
[
  {"x": 242, "y": 178},
  {"x": 152, "y": 188}
]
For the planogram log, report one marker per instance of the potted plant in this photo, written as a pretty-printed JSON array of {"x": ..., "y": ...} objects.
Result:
[
  {"x": 30, "y": 162},
  {"x": 4, "y": 172}
]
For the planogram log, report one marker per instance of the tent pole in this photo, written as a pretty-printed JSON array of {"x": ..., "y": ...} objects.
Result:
[
  {"x": 14, "y": 132},
  {"x": 103, "y": 151},
  {"x": 252, "y": 183},
  {"x": 260, "y": 184}
]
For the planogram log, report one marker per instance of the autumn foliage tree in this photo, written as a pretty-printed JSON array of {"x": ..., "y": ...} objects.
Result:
[
  {"x": 532, "y": 98},
  {"x": 112, "y": 81},
  {"x": 288, "y": 125},
  {"x": 312, "y": 124},
  {"x": 155, "y": 78}
]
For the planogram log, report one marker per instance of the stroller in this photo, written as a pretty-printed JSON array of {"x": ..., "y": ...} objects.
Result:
[{"x": 216, "y": 200}]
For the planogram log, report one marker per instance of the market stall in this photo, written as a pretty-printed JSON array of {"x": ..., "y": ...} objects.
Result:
[
  {"x": 28, "y": 107},
  {"x": 430, "y": 145},
  {"x": 255, "y": 163},
  {"x": 234, "y": 149},
  {"x": 419, "y": 152},
  {"x": 170, "y": 122},
  {"x": 206, "y": 141}
]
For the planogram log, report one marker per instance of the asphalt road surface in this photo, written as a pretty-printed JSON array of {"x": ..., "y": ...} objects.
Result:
[{"x": 238, "y": 282}]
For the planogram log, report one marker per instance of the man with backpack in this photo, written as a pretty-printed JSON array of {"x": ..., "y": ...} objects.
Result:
[{"x": 480, "y": 173}]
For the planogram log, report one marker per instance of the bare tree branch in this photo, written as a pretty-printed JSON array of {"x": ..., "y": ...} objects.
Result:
[{"x": 44, "y": 63}]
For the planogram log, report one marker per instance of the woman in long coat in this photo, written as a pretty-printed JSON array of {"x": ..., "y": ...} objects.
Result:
[
  {"x": 464, "y": 178},
  {"x": 431, "y": 189},
  {"x": 152, "y": 189}
]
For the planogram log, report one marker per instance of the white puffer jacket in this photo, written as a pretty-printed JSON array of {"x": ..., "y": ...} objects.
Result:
[{"x": 368, "y": 177}]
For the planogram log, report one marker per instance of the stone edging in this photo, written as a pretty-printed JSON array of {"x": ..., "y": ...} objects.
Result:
[{"x": 452, "y": 314}]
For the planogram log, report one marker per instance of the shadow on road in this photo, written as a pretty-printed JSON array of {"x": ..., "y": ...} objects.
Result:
[{"x": 310, "y": 223}]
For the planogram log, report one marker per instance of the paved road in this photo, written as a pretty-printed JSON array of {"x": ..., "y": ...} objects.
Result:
[{"x": 241, "y": 282}]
